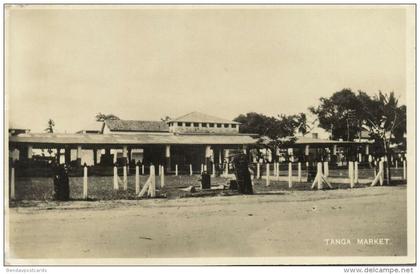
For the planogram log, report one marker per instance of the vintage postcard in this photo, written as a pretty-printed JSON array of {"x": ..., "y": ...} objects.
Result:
[{"x": 209, "y": 134}]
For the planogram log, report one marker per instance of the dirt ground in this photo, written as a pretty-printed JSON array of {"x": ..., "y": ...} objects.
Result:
[{"x": 279, "y": 223}]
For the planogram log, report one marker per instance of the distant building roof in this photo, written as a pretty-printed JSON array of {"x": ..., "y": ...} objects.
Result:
[
  {"x": 94, "y": 127},
  {"x": 199, "y": 117},
  {"x": 136, "y": 126}
]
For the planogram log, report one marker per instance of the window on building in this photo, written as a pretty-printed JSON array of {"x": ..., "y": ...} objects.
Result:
[
  {"x": 233, "y": 125},
  {"x": 219, "y": 125},
  {"x": 196, "y": 124},
  {"x": 211, "y": 125},
  {"x": 187, "y": 124},
  {"x": 179, "y": 124},
  {"x": 226, "y": 125},
  {"x": 204, "y": 124}
]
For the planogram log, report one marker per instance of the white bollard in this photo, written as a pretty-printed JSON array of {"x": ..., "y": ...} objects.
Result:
[
  {"x": 137, "y": 180},
  {"x": 267, "y": 176},
  {"x": 213, "y": 170},
  {"x": 142, "y": 169},
  {"x": 162, "y": 177},
  {"x": 299, "y": 172},
  {"x": 205, "y": 167},
  {"x": 176, "y": 170},
  {"x": 351, "y": 174},
  {"x": 12, "y": 184},
  {"x": 125, "y": 177},
  {"x": 153, "y": 181},
  {"x": 202, "y": 169},
  {"x": 159, "y": 170},
  {"x": 227, "y": 169},
  {"x": 326, "y": 170},
  {"x": 381, "y": 170},
  {"x": 258, "y": 171},
  {"x": 191, "y": 171},
  {"x": 356, "y": 172},
  {"x": 277, "y": 170},
  {"x": 319, "y": 173},
  {"x": 404, "y": 170},
  {"x": 115, "y": 178},
  {"x": 290, "y": 175},
  {"x": 85, "y": 183}
]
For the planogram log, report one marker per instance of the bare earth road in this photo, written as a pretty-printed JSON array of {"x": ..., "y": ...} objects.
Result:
[{"x": 295, "y": 223}]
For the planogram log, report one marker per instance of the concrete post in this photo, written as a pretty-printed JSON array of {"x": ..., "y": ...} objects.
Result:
[
  {"x": 12, "y": 184},
  {"x": 85, "y": 183},
  {"x": 258, "y": 171},
  {"x": 137, "y": 180},
  {"x": 367, "y": 150},
  {"x": 115, "y": 178},
  {"x": 125, "y": 177},
  {"x": 334, "y": 150},
  {"x": 290, "y": 175},
  {"x": 191, "y": 171},
  {"x": 267, "y": 176},
  {"x": 153, "y": 181},
  {"x": 326, "y": 170},
  {"x": 381, "y": 169},
  {"x": 299, "y": 172},
  {"x": 142, "y": 169},
  {"x": 319, "y": 173},
  {"x": 227, "y": 168},
  {"x": 162, "y": 177},
  {"x": 356, "y": 172},
  {"x": 404, "y": 170},
  {"x": 213, "y": 170},
  {"x": 307, "y": 150},
  {"x": 176, "y": 170},
  {"x": 351, "y": 173}
]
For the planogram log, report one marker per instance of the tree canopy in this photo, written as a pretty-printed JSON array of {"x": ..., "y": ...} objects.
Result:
[{"x": 100, "y": 117}]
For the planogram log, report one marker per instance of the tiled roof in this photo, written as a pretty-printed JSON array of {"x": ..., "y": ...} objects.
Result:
[
  {"x": 136, "y": 126},
  {"x": 201, "y": 117},
  {"x": 131, "y": 139}
]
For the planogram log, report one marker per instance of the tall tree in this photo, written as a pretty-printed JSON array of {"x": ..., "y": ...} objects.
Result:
[
  {"x": 100, "y": 117},
  {"x": 386, "y": 122},
  {"x": 339, "y": 114},
  {"x": 274, "y": 132}
]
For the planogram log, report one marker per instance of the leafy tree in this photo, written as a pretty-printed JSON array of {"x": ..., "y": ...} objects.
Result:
[
  {"x": 50, "y": 126},
  {"x": 274, "y": 132},
  {"x": 100, "y": 117},
  {"x": 386, "y": 122},
  {"x": 339, "y": 114},
  {"x": 165, "y": 119}
]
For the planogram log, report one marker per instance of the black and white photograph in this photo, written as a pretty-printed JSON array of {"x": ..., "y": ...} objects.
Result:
[{"x": 211, "y": 134}]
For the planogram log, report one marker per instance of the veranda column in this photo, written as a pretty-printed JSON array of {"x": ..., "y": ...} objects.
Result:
[
  {"x": 79, "y": 155},
  {"x": 125, "y": 153},
  {"x": 67, "y": 155},
  {"x": 95, "y": 156},
  {"x": 168, "y": 157},
  {"x": 30, "y": 153},
  {"x": 208, "y": 153}
]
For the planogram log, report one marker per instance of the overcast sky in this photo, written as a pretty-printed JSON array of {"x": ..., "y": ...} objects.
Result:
[{"x": 146, "y": 63}]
